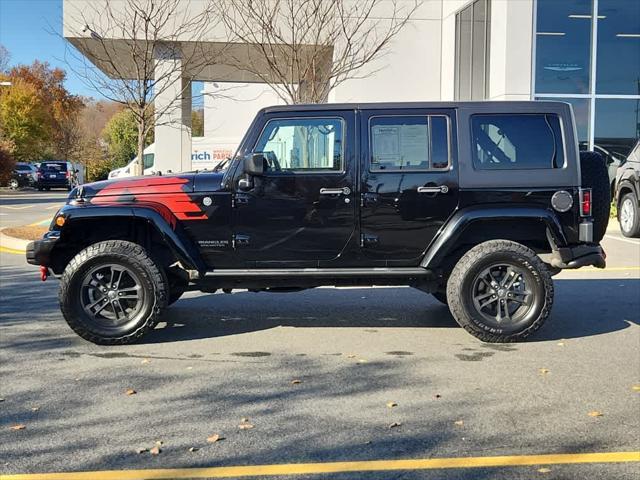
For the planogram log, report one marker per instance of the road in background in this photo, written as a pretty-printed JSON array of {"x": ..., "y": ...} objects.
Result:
[
  {"x": 24, "y": 207},
  {"x": 216, "y": 359}
]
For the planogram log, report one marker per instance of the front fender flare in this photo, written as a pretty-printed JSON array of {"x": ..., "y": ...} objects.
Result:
[
  {"x": 173, "y": 235},
  {"x": 447, "y": 238}
]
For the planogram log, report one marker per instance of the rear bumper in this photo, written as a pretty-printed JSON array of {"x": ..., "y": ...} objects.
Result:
[
  {"x": 577, "y": 256},
  {"x": 39, "y": 252}
]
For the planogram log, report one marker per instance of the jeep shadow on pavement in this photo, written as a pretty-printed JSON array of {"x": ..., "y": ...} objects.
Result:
[{"x": 477, "y": 203}]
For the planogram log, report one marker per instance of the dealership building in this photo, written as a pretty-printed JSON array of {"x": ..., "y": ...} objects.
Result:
[{"x": 585, "y": 52}]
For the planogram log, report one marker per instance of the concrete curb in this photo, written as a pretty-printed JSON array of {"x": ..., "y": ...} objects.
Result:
[{"x": 13, "y": 243}]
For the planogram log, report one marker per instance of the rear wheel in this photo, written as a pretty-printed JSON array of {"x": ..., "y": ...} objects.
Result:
[
  {"x": 112, "y": 293},
  {"x": 13, "y": 184},
  {"x": 628, "y": 216},
  {"x": 500, "y": 291}
]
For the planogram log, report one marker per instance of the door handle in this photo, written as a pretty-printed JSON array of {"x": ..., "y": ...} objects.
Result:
[
  {"x": 440, "y": 189},
  {"x": 335, "y": 191}
]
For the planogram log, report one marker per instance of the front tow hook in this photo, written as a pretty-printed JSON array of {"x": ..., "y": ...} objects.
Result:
[{"x": 44, "y": 273}]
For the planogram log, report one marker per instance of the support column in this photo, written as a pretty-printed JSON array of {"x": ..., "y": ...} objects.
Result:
[{"x": 172, "y": 105}]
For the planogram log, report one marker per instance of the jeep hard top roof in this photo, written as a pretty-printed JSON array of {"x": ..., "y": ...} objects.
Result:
[{"x": 514, "y": 106}]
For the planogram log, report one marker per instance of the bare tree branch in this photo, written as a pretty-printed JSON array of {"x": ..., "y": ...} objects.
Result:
[
  {"x": 303, "y": 49},
  {"x": 125, "y": 40}
]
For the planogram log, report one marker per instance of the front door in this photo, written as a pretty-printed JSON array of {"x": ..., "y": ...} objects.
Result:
[
  {"x": 409, "y": 182},
  {"x": 301, "y": 211}
]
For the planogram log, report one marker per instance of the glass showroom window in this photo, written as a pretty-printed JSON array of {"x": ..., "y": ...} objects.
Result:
[
  {"x": 600, "y": 78},
  {"x": 472, "y": 51}
]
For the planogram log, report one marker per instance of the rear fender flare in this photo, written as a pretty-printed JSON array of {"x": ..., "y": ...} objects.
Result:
[{"x": 448, "y": 236}]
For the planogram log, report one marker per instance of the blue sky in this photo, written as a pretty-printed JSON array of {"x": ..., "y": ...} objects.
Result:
[{"x": 30, "y": 30}]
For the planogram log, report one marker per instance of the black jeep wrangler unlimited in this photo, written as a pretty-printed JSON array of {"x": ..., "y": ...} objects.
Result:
[{"x": 476, "y": 203}]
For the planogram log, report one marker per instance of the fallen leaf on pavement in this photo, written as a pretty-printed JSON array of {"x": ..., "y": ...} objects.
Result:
[
  {"x": 362, "y": 360},
  {"x": 244, "y": 419},
  {"x": 459, "y": 423},
  {"x": 141, "y": 450},
  {"x": 437, "y": 395},
  {"x": 35, "y": 409},
  {"x": 214, "y": 438},
  {"x": 544, "y": 371},
  {"x": 595, "y": 413},
  {"x": 245, "y": 426},
  {"x": 159, "y": 443},
  {"x": 130, "y": 391},
  {"x": 636, "y": 388},
  {"x": 560, "y": 344},
  {"x": 351, "y": 355},
  {"x": 193, "y": 449},
  {"x": 155, "y": 450},
  {"x": 395, "y": 424},
  {"x": 544, "y": 470},
  {"x": 392, "y": 404},
  {"x": 189, "y": 368},
  {"x": 145, "y": 360},
  {"x": 296, "y": 382},
  {"x": 20, "y": 426},
  {"x": 1, "y": 399}
]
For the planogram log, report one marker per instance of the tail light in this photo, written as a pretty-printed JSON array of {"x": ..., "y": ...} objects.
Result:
[
  {"x": 38, "y": 174},
  {"x": 585, "y": 202},
  {"x": 68, "y": 174}
]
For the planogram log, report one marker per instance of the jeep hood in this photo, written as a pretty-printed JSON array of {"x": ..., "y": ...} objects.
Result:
[{"x": 127, "y": 189}]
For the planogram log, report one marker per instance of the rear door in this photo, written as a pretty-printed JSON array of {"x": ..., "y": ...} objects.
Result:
[
  {"x": 409, "y": 182},
  {"x": 301, "y": 212}
]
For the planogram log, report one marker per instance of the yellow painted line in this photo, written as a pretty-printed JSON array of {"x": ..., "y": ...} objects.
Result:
[
  {"x": 12, "y": 250},
  {"x": 46, "y": 221},
  {"x": 338, "y": 467},
  {"x": 608, "y": 269}
]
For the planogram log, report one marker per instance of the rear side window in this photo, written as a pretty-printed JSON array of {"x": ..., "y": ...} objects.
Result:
[
  {"x": 148, "y": 158},
  {"x": 406, "y": 143},
  {"x": 517, "y": 142}
]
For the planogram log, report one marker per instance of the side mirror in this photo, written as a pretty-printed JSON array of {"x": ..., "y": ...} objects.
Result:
[{"x": 254, "y": 165}]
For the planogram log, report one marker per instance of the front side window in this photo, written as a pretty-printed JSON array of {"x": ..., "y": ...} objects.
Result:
[
  {"x": 517, "y": 142},
  {"x": 409, "y": 143},
  {"x": 302, "y": 145}
]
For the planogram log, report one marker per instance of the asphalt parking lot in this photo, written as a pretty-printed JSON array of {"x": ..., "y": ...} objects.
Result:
[{"x": 325, "y": 375}]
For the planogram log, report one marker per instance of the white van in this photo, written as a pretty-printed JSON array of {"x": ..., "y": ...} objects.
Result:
[{"x": 204, "y": 155}]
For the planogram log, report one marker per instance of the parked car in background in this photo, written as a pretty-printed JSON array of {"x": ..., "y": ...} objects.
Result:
[
  {"x": 613, "y": 157},
  {"x": 56, "y": 174},
  {"x": 628, "y": 194},
  {"x": 24, "y": 175}
]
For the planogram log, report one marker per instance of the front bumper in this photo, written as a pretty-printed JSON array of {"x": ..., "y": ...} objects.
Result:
[
  {"x": 577, "y": 256},
  {"x": 39, "y": 252}
]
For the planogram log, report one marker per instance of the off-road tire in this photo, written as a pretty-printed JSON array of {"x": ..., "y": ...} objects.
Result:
[
  {"x": 135, "y": 258},
  {"x": 594, "y": 175},
  {"x": 460, "y": 290},
  {"x": 441, "y": 296},
  {"x": 634, "y": 231}
]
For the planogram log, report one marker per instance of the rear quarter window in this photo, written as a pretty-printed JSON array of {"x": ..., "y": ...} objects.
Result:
[{"x": 517, "y": 142}]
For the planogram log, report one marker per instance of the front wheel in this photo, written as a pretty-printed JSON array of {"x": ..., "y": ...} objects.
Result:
[
  {"x": 628, "y": 216},
  {"x": 13, "y": 184},
  {"x": 500, "y": 291},
  {"x": 112, "y": 293}
]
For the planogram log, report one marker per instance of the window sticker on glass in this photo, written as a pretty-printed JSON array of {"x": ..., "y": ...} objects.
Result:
[{"x": 402, "y": 143}]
